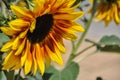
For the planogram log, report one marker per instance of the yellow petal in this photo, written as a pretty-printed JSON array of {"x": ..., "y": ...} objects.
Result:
[
  {"x": 100, "y": 16},
  {"x": 28, "y": 62},
  {"x": 7, "y": 46},
  {"x": 47, "y": 10},
  {"x": 16, "y": 43},
  {"x": 77, "y": 27},
  {"x": 117, "y": 17},
  {"x": 53, "y": 56},
  {"x": 39, "y": 5},
  {"x": 8, "y": 57},
  {"x": 67, "y": 33},
  {"x": 48, "y": 60},
  {"x": 11, "y": 64},
  {"x": 57, "y": 52},
  {"x": 58, "y": 3},
  {"x": 12, "y": 61},
  {"x": 23, "y": 34},
  {"x": 70, "y": 16},
  {"x": 59, "y": 45},
  {"x": 34, "y": 62},
  {"x": 67, "y": 10},
  {"x": 32, "y": 27},
  {"x": 70, "y": 36},
  {"x": 24, "y": 55},
  {"x": 40, "y": 59},
  {"x": 22, "y": 12},
  {"x": 18, "y": 24},
  {"x": 17, "y": 66},
  {"x": 9, "y": 31},
  {"x": 21, "y": 47},
  {"x": 71, "y": 2}
]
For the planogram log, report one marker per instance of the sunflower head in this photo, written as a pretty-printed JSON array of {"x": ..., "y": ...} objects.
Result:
[
  {"x": 107, "y": 11},
  {"x": 37, "y": 34}
]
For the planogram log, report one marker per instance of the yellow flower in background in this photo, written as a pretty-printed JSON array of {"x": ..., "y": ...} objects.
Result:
[
  {"x": 108, "y": 10},
  {"x": 37, "y": 35}
]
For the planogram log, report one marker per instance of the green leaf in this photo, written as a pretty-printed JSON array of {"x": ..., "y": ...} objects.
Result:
[
  {"x": 74, "y": 68},
  {"x": 2, "y": 76},
  {"x": 3, "y": 39},
  {"x": 109, "y": 43},
  {"x": 68, "y": 73},
  {"x": 62, "y": 75},
  {"x": 38, "y": 76},
  {"x": 29, "y": 78},
  {"x": 110, "y": 40},
  {"x": 48, "y": 72},
  {"x": 51, "y": 69},
  {"x": 47, "y": 76}
]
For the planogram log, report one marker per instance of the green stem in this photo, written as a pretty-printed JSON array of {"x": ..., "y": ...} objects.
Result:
[
  {"x": 74, "y": 56},
  {"x": 9, "y": 75},
  {"x": 83, "y": 35},
  {"x": 90, "y": 41},
  {"x": 84, "y": 50},
  {"x": 73, "y": 45},
  {"x": 84, "y": 57}
]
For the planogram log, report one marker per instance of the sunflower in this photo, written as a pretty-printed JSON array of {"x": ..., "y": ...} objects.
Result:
[
  {"x": 38, "y": 33},
  {"x": 108, "y": 10}
]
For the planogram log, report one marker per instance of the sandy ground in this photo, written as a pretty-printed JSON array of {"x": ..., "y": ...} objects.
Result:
[{"x": 101, "y": 64}]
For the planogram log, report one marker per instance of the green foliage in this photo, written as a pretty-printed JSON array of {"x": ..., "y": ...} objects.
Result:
[
  {"x": 109, "y": 43},
  {"x": 29, "y": 78},
  {"x": 18, "y": 77},
  {"x": 51, "y": 69},
  {"x": 70, "y": 72},
  {"x": 9, "y": 74},
  {"x": 110, "y": 40},
  {"x": 38, "y": 76},
  {"x": 3, "y": 39},
  {"x": 8, "y": 1},
  {"x": 2, "y": 76},
  {"x": 73, "y": 67},
  {"x": 3, "y": 20}
]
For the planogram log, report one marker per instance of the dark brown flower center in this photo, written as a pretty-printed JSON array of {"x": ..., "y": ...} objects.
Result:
[{"x": 43, "y": 26}]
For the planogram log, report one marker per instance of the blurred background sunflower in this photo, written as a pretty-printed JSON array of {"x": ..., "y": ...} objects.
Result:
[{"x": 107, "y": 11}]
